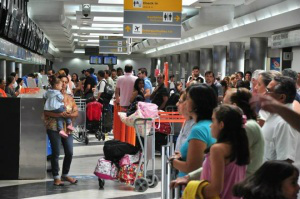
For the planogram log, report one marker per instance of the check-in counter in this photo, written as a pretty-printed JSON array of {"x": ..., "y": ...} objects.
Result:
[{"x": 23, "y": 138}]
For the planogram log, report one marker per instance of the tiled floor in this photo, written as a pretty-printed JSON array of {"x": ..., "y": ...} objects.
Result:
[{"x": 83, "y": 165}]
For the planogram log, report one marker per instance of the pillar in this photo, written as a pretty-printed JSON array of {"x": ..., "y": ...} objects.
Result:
[
  {"x": 258, "y": 53},
  {"x": 169, "y": 60},
  {"x": 219, "y": 60},
  {"x": 206, "y": 60},
  {"x": 176, "y": 66},
  {"x": 3, "y": 69},
  {"x": 183, "y": 66},
  {"x": 193, "y": 61},
  {"x": 153, "y": 67},
  {"x": 236, "y": 57},
  {"x": 20, "y": 67},
  {"x": 10, "y": 67}
]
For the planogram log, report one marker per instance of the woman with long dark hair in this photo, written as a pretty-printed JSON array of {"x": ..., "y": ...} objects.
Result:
[
  {"x": 201, "y": 101},
  {"x": 273, "y": 180},
  {"x": 240, "y": 98},
  {"x": 225, "y": 162}
]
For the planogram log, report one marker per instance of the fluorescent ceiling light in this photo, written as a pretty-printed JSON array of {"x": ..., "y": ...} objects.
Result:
[
  {"x": 114, "y": 19},
  {"x": 107, "y": 25},
  {"x": 107, "y": 29},
  {"x": 111, "y": 2},
  {"x": 105, "y": 34},
  {"x": 92, "y": 44},
  {"x": 79, "y": 51},
  {"x": 107, "y": 8},
  {"x": 75, "y": 27},
  {"x": 188, "y": 2}
]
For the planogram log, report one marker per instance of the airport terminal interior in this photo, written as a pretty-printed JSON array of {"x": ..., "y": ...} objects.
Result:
[{"x": 78, "y": 75}]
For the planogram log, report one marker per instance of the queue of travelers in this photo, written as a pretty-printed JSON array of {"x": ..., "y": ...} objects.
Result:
[{"x": 240, "y": 138}]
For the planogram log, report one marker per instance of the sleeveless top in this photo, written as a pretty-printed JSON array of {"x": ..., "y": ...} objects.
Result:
[{"x": 233, "y": 174}]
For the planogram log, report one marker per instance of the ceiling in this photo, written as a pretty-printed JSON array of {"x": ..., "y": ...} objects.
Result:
[{"x": 70, "y": 32}]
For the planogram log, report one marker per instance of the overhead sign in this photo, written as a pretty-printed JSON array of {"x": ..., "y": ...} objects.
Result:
[
  {"x": 114, "y": 44},
  {"x": 287, "y": 39},
  {"x": 158, "y": 19},
  {"x": 115, "y": 50},
  {"x": 153, "y": 5}
]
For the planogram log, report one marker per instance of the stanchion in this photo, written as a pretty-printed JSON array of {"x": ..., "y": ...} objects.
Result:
[
  {"x": 117, "y": 123},
  {"x": 163, "y": 172}
]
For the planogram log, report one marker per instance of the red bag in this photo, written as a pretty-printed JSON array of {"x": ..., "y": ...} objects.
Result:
[
  {"x": 94, "y": 111},
  {"x": 164, "y": 128},
  {"x": 127, "y": 173}
]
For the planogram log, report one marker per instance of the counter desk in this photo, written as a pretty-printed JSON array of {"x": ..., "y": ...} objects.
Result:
[{"x": 23, "y": 138}]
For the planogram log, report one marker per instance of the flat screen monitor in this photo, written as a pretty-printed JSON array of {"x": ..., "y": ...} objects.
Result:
[
  {"x": 110, "y": 60},
  {"x": 96, "y": 60}
]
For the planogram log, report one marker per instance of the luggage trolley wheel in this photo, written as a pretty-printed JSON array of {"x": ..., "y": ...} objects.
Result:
[
  {"x": 156, "y": 180},
  {"x": 86, "y": 140},
  {"x": 101, "y": 183},
  {"x": 140, "y": 185}
]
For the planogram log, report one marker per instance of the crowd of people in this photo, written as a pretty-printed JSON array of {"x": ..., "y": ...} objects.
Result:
[
  {"x": 241, "y": 134},
  {"x": 233, "y": 149}
]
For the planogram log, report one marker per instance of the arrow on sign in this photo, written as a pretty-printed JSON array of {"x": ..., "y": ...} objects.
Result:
[
  {"x": 177, "y": 18},
  {"x": 127, "y": 28}
]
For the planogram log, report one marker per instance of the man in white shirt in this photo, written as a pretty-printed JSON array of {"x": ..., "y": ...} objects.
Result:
[
  {"x": 281, "y": 140},
  {"x": 101, "y": 85},
  {"x": 109, "y": 79}
]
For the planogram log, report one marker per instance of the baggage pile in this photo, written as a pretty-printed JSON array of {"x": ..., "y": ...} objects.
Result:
[{"x": 123, "y": 163}]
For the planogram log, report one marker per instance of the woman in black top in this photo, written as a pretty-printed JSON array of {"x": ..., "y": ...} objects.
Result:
[{"x": 137, "y": 95}]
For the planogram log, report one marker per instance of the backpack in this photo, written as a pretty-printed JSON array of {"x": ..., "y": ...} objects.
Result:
[
  {"x": 114, "y": 150},
  {"x": 108, "y": 93}
]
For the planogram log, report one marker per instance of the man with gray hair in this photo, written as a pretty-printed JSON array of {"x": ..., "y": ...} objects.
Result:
[
  {"x": 281, "y": 140},
  {"x": 254, "y": 79}
]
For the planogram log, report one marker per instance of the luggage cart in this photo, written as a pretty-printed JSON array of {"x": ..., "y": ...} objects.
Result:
[
  {"x": 147, "y": 144},
  {"x": 167, "y": 173},
  {"x": 80, "y": 133}
]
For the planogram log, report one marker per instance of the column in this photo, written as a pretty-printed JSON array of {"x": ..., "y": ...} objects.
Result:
[
  {"x": 183, "y": 66},
  {"x": 176, "y": 66},
  {"x": 153, "y": 67},
  {"x": 10, "y": 67},
  {"x": 3, "y": 69},
  {"x": 169, "y": 60},
  {"x": 20, "y": 67},
  {"x": 236, "y": 57},
  {"x": 206, "y": 60},
  {"x": 219, "y": 60},
  {"x": 162, "y": 61},
  {"x": 193, "y": 61},
  {"x": 258, "y": 53}
]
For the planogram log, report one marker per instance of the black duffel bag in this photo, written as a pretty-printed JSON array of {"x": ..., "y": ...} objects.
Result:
[{"x": 114, "y": 150}]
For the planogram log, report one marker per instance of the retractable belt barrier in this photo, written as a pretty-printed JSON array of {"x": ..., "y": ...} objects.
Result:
[{"x": 167, "y": 151}]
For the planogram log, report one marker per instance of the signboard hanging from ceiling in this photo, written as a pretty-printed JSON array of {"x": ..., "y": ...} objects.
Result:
[
  {"x": 114, "y": 44},
  {"x": 156, "y": 19}
]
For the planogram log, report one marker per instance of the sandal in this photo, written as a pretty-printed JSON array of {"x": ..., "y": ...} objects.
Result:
[
  {"x": 69, "y": 179},
  {"x": 58, "y": 182}
]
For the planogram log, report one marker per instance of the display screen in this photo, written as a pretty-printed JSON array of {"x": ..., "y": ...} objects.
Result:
[
  {"x": 96, "y": 60},
  {"x": 110, "y": 60}
]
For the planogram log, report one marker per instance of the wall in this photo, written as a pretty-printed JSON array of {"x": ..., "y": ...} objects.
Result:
[
  {"x": 76, "y": 65},
  {"x": 296, "y": 59}
]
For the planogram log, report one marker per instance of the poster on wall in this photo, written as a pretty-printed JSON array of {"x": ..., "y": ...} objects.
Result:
[{"x": 275, "y": 63}]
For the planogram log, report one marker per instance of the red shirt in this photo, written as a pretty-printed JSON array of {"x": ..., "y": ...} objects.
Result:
[{"x": 2, "y": 92}]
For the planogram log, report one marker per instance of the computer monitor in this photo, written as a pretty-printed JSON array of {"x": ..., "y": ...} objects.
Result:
[
  {"x": 110, "y": 60},
  {"x": 96, "y": 60}
]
